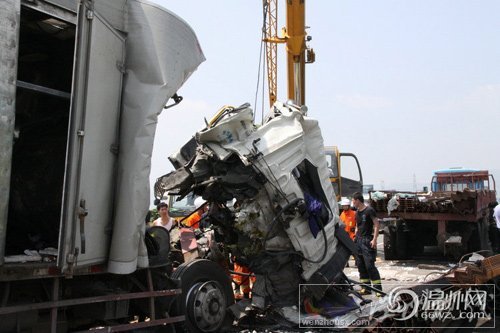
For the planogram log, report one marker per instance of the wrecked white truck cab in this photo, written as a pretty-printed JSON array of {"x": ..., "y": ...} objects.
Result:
[{"x": 286, "y": 225}]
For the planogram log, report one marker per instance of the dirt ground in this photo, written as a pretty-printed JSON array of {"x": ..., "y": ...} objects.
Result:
[{"x": 408, "y": 272}]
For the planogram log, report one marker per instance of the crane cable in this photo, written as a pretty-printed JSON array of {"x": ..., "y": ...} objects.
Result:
[{"x": 261, "y": 52}]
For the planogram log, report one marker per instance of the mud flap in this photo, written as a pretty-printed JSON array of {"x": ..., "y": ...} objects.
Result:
[
  {"x": 344, "y": 238},
  {"x": 333, "y": 269}
]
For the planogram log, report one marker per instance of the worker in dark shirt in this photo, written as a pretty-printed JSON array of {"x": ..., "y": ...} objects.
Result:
[{"x": 367, "y": 228}]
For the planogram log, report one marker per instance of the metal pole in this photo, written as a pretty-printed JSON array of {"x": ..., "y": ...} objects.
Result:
[
  {"x": 53, "y": 311},
  {"x": 10, "y": 12},
  {"x": 152, "y": 310}
]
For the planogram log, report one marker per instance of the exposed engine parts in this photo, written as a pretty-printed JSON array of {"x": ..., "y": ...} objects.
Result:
[{"x": 282, "y": 223}]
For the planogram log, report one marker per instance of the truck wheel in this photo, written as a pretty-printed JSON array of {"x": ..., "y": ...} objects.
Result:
[
  {"x": 395, "y": 242},
  {"x": 390, "y": 243},
  {"x": 401, "y": 247},
  {"x": 484, "y": 234},
  {"x": 206, "y": 294},
  {"x": 479, "y": 239},
  {"x": 415, "y": 245}
]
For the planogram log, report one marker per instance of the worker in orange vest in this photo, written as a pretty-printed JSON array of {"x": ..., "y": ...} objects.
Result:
[
  {"x": 242, "y": 280},
  {"x": 348, "y": 217},
  {"x": 193, "y": 221}
]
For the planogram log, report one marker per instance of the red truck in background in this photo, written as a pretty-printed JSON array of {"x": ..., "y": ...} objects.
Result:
[{"x": 455, "y": 215}]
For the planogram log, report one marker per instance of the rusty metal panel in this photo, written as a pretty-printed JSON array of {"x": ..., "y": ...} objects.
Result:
[
  {"x": 429, "y": 216},
  {"x": 467, "y": 205},
  {"x": 476, "y": 274},
  {"x": 143, "y": 324},
  {"x": 88, "y": 300}
]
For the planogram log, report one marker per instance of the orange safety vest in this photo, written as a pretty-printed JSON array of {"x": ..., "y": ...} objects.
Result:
[
  {"x": 193, "y": 221},
  {"x": 349, "y": 219},
  {"x": 242, "y": 280}
]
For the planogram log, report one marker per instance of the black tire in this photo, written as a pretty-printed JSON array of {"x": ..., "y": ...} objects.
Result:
[
  {"x": 203, "y": 279},
  {"x": 479, "y": 239},
  {"x": 401, "y": 241},
  {"x": 415, "y": 248},
  {"x": 158, "y": 245},
  {"x": 390, "y": 243},
  {"x": 395, "y": 242},
  {"x": 484, "y": 235},
  {"x": 414, "y": 237}
]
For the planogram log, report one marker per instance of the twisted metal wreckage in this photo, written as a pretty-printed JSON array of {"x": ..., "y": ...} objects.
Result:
[{"x": 284, "y": 224}]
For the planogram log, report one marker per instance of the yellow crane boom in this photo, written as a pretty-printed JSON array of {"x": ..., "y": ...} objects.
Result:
[
  {"x": 270, "y": 35},
  {"x": 295, "y": 37},
  {"x": 298, "y": 54}
]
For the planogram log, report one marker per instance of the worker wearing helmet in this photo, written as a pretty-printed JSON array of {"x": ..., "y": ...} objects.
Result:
[
  {"x": 193, "y": 221},
  {"x": 348, "y": 217}
]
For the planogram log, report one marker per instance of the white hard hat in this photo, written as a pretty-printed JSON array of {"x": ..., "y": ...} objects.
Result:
[
  {"x": 198, "y": 202},
  {"x": 345, "y": 202}
]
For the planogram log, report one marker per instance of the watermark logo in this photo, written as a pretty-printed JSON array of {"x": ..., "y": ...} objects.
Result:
[
  {"x": 422, "y": 306},
  {"x": 440, "y": 304},
  {"x": 403, "y": 302}
]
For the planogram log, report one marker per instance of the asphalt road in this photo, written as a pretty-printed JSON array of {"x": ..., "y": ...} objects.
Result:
[{"x": 397, "y": 272}]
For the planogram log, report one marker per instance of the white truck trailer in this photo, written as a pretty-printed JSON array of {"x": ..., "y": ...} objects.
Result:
[{"x": 81, "y": 86}]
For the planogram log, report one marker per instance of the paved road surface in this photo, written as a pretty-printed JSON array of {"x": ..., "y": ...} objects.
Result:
[{"x": 397, "y": 272}]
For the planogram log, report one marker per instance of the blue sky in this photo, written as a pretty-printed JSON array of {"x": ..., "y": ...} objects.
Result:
[{"x": 408, "y": 86}]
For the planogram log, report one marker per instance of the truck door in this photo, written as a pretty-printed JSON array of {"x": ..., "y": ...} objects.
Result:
[
  {"x": 93, "y": 146},
  {"x": 345, "y": 172},
  {"x": 351, "y": 179}
]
